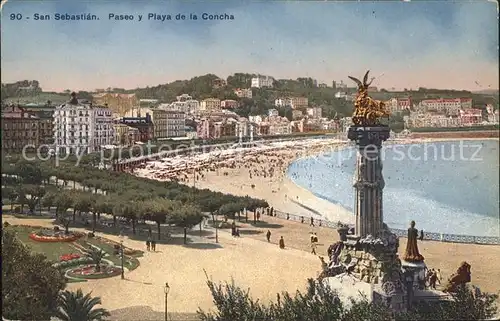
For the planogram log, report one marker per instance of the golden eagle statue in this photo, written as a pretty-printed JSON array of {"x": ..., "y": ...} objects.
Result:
[{"x": 367, "y": 111}]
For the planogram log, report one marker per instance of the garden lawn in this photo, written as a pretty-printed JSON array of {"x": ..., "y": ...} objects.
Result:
[{"x": 53, "y": 250}]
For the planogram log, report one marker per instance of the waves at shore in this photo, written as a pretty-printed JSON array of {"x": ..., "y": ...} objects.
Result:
[{"x": 444, "y": 195}]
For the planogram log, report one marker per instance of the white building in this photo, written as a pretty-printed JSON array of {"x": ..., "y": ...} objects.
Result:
[
  {"x": 184, "y": 103},
  {"x": 492, "y": 114},
  {"x": 81, "y": 127},
  {"x": 255, "y": 119},
  {"x": 341, "y": 95},
  {"x": 280, "y": 126},
  {"x": 283, "y": 102},
  {"x": 314, "y": 112},
  {"x": 345, "y": 123},
  {"x": 262, "y": 81},
  {"x": 243, "y": 93},
  {"x": 451, "y": 106}
]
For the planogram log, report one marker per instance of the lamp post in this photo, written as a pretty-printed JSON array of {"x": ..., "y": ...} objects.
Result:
[
  {"x": 123, "y": 258},
  {"x": 167, "y": 289},
  {"x": 216, "y": 228}
]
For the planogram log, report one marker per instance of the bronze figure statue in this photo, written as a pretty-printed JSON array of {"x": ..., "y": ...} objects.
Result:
[
  {"x": 411, "y": 253},
  {"x": 461, "y": 277},
  {"x": 367, "y": 111}
]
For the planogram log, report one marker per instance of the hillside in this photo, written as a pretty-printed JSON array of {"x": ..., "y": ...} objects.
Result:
[{"x": 202, "y": 87}]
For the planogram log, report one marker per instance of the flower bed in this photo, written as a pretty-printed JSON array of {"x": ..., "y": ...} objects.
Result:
[
  {"x": 69, "y": 257},
  {"x": 71, "y": 263},
  {"x": 88, "y": 272},
  {"x": 55, "y": 238}
]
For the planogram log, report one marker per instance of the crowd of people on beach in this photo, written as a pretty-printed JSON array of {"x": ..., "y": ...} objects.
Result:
[{"x": 269, "y": 163}]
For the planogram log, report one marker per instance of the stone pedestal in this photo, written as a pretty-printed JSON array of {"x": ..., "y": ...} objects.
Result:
[{"x": 414, "y": 272}]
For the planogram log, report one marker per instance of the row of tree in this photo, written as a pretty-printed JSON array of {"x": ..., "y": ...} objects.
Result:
[{"x": 90, "y": 190}]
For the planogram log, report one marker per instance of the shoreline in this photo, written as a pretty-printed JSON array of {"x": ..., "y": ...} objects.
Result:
[{"x": 263, "y": 173}]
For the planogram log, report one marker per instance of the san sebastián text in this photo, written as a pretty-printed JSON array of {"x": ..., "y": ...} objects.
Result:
[{"x": 66, "y": 16}]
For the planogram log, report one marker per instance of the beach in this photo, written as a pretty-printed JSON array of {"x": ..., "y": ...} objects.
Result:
[{"x": 260, "y": 172}]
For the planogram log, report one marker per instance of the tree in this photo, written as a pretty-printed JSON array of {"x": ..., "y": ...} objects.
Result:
[
  {"x": 29, "y": 173},
  {"x": 158, "y": 209},
  {"x": 468, "y": 303},
  {"x": 82, "y": 203},
  {"x": 9, "y": 192},
  {"x": 48, "y": 200},
  {"x": 63, "y": 202},
  {"x": 74, "y": 306},
  {"x": 35, "y": 194},
  {"x": 187, "y": 217},
  {"x": 319, "y": 302},
  {"x": 30, "y": 285},
  {"x": 96, "y": 255}
]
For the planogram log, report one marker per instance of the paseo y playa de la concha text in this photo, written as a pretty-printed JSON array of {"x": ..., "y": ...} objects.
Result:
[{"x": 124, "y": 17}]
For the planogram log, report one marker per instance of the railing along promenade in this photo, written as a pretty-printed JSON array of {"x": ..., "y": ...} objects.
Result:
[{"x": 441, "y": 237}]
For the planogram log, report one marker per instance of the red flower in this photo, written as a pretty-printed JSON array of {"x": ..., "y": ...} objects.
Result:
[{"x": 68, "y": 257}]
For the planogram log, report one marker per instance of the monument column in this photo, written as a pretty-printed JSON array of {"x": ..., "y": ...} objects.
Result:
[{"x": 368, "y": 178}]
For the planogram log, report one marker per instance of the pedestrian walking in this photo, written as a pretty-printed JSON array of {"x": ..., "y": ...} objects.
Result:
[
  {"x": 421, "y": 235},
  {"x": 268, "y": 236},
  {"x": 153, "y": 245},
  {"x": 148, "y": 244},
  {"x": 313, "y": 248},
  {"x": 282, "y": 243},
  {"x": 312, "y": 222}
]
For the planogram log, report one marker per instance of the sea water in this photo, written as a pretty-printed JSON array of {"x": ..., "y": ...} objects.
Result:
[{"x": 445, "y": 187}]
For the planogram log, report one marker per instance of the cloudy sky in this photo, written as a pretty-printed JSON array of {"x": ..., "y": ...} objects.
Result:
[{"x": 406, "y": 44}]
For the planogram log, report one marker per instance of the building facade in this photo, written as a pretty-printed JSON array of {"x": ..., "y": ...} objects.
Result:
[
  {"x": 166, "y": 122},
  {"x": 20, "y": 130},
  {"x": 262, "y": 81},
  {"x": 273, "y": 112},
  {"x": 450, "y": 106},
  {"x": 283, "y": 102},
  {"x": 299, "y": 102},
  {"x": 243, "y": 93},
  {"x": 315, "y": 112},
  {"x": 229, "y": 104},
  {"x": 397, "y": 105},
  {"x": 210, "y": 105},
  {"x": 82, "y": 128},
  {"x": 297, "y": 114},
  {"x": 144, "y": 126},
  {"x": 471, "y": 116},
  {"x": 125, "y": 135},
  {"x": 492, "y": 114},
  {"x": 279, "y": 126}
]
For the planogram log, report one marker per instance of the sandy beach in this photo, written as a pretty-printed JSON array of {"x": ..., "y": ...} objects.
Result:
[{"x": 260, "y": 173}]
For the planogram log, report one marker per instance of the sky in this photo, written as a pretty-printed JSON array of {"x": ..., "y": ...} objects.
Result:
[{"x": 440, "y": 44}]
